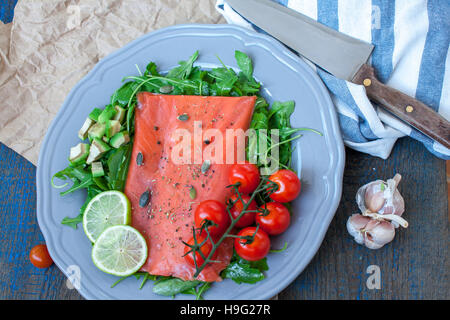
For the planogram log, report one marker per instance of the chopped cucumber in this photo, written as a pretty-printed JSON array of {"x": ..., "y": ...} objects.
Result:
[
  {"x": 112, "y": 127},
  {"x": 98, "y": 149},
  {"x": 97, "y": 169},
  {"x": 83, "y": 133},
  {"x": 95, "y": 113},
  {"x": 107, "y": 114},
  {"x": 79, "y": 153},
  {"x": 120, "y": 115},
  {"x": 119, "y": 139},
  {"x": 97, "y": 131}
]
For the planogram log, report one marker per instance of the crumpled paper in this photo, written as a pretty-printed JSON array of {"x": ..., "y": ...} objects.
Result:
[{"x": 52, "y": 44}]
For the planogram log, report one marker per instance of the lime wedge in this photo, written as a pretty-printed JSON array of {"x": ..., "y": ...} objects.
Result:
[
  {"x": 106, "y": 209},
  {"x": 120, "y": 251}
]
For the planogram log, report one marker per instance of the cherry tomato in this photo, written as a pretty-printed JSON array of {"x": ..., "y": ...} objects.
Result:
[
  {"x": 216, "y": 212},
  {"x": 205, "y": 249},
  {"x": 256, "y": 250},
  {"x": 247, "y": 174},
  {"x": 249, "y": 217},
  {"x": 288, "y": 185},
  {"x": 276, "y": 221},
  {"x": 40, "y": 257}
]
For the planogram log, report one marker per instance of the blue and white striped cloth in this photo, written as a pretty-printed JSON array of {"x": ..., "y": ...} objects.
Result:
[{"x": 411, "y": 39}]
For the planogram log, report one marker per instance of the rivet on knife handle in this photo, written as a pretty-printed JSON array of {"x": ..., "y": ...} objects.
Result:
[{"x": 408, "y": 109}]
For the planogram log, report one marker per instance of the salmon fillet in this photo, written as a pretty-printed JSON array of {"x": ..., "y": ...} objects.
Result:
[{"x": 169, "y": 216}]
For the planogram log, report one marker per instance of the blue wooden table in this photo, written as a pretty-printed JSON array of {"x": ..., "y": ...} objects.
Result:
[{"x": 414, "y": 266}]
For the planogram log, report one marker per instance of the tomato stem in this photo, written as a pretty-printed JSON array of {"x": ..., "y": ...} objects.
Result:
[{"x": 265, "y": 186}]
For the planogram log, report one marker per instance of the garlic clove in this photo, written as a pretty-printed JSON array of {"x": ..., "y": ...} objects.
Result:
[
  {"x": 395, "y": 206},
  {"x": 374, "y": 197},
  {"x": 378, "y": 233},
  {"x": 381, "y": 197},
  {"x": 355, "y": 224},
  {"x": 369, "y": 195}
]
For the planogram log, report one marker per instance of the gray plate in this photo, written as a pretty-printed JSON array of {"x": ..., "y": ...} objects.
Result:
[{"x": 284, "y": 77}]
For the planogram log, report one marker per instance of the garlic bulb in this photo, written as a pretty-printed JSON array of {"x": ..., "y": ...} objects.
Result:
[
  {"x": 381, "y": 206},
  {"x": 370, "y": 232}
]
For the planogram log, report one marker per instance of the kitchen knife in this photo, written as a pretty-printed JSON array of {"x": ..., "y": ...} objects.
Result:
[{"x": 344, "y": 57}]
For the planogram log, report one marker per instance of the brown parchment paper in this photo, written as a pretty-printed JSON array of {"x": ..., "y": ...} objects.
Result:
[{"x": 52, "y": 44}]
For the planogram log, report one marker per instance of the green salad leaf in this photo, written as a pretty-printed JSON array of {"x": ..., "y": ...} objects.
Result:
[
  {"x": 117, "y": 163},
  {"x": 173, "y": 286},
  {"x": 92, "y": 191},
  {"x": 73, "y": 222},
  {"x": 184, "y": 69},
  {"x": 123, "y": 94},
  {"x": 243, "y": 271},
  {"x": 199, "y": 290},
  {"x": 245, "y": 64}
]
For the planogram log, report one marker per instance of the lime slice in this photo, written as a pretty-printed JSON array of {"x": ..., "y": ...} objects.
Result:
[
  {"x": 120, "y": 251},
  {"x": 106, "y": 209}
]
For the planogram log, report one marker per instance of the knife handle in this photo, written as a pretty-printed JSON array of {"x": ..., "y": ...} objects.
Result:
[{"x": 404, "y": 107}]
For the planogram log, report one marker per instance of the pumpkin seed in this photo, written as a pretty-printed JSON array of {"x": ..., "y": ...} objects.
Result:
[
  {"x": 183, "y": 117},
  {"x": 144, "y": 199},
  {"x": 206, "y": 165},
  {"x": 166, "y": 89},
  {"x": 140, "y": 159},
  {"x": 192, "y": 193}
]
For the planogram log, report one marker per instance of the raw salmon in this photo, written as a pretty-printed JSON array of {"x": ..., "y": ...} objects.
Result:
[{"x": 168, "y": 217}]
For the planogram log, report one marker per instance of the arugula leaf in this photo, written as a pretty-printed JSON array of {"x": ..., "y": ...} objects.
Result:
[
  {"x": 173, "y": 286},
  {"x": 123, "y": 94},
  {"x": 198, "y": 74},
  {"x": 147, "y": 276},
  {"x": 199, "y": 291},
  {"x": 244, "y": 63},
  {"x": 243, "y": 271},
  {"x": 261, "y": 265},
  {"x": 73, "y": 173},
  {"x": 184, "y": 69},
  {"x": 79, "y": 175},
  {"x": 73, "y": 222},
  {"x": 280, "y": 114},
  {"x": 92, "y": 191},
  {"x": 260, "y": 120},
  {"x": 224, "y": 80},
  {"x": 79, "y": 185},
  {"x": 151, "y": 69},
  {"x": 118, "y": 163},
  {"x": 279, "y": 118},
  {"x": 101, "y": 183}
]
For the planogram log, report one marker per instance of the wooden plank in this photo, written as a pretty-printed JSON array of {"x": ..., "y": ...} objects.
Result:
[
  {"x": 7, "y": 10},
  {"x": 19, "y": 232},
  {"x": 448, "y": 186},
  {"x": 415, "y": 265}
]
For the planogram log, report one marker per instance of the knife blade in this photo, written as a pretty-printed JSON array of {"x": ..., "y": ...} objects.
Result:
[{"x": 343, "y": 56}]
